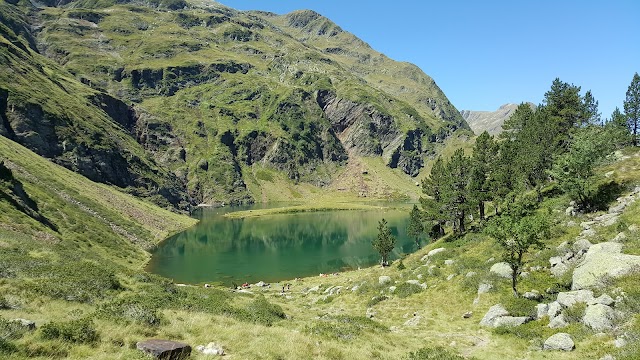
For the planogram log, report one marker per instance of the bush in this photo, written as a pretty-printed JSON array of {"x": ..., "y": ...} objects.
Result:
[
  {"x": 575, "y": 313},
  {"x": 134, "y": 309},
  {"x": 519, "y": 306},
  {"x": 77, "y": 331},
  {"x": 11, "y": 330},
  {"x": 435, "y": 353},
  {"x": 7, "y": 347},
  {"x": 261, "y": 311}
]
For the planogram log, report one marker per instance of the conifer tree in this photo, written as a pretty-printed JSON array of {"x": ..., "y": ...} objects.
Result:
[
  {"x": 632, "y": 107},
  {"x": 415, "y": 228},
  {"x": 385, "y": 242},
  {"x": 481, "y": 164},
  {"x": 433, "y": 203},
  {"x": 456, "y": 194}
]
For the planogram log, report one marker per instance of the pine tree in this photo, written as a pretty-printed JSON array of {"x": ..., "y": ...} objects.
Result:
[
  {"x": 456, "y": 194},
  {"x": 616, "y": 129},
  {"x": 433, "y": 203},
  {"x": 591, "y": 116},
  {"x": 632, "y": 107},
  {"x": 385, "y": 242},
  {"x": 415, "y": 228},
  {"x": 481, "y": 164}
]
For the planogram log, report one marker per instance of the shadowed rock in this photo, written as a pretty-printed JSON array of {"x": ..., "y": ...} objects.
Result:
[{"x": 164, "y": 349}]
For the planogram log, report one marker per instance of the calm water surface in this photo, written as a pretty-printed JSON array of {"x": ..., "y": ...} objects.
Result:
[{"x": 277, "y": 247}]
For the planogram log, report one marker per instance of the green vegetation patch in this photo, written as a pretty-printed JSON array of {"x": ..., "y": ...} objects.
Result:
[
  {"x": 344, "y": 327},
  {"x": 76, "y": 331},
  {"x": 434, "y": 353}
]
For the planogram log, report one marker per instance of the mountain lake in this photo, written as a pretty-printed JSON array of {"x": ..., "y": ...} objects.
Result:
[{"x": 274, "y": 248}]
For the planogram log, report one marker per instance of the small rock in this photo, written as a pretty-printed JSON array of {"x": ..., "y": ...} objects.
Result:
[
  {"x": 451, "y": 276},
  {"x": 495, "y": 312},
  {"x": 532, "y": 295},
  {"x": 570, "y": 211},
  {"x": 435, "y": 251},
  {"x": 471, "y": 274},
  {"x": 384, "y": 279},
  {"x": 620, "y": 342},
  {"x": 607, "y": 357},
  {"x": 559, "y": 269},
  {"x": 571, "y": 223},
  {"x": 588, "y": 233},
  {"x": 586, "y": 225},
  {"x": 570, "y": 298},
  {"x": 211, "y": 349},
  {"x": 24, "y": 323},
  {"x": 559, "y": 341},
  {"x": 467, "y": 315},
  {"x": 582, "y": 245},
  {"x": 563, "y": 248},
  {"x": 414, "y": 321},
  {"x": 484, "y": 288},
  {"x": 314, "y": 289},
  {"x": 603, "y": 299},
  {"x": 633, "y": 228},
  {"x": 449, "y": 262},
  {"x": 558, "y": 322},
  {"x": 370, "y": 313},
  {"x": 259, "y": 284},
  {"x": 501, "y": 269},
  {"x": 392, "y": 289},
  {"x": 164, "y": 349},
  {"x": 621, "y": 237},
  {"x": 491, "y": 260}
]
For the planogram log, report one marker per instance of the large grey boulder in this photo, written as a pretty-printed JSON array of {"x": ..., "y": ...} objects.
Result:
[
  {"x": 484, "y": 288},
  {"x": 501, "y": 269},
  {"x": 601, "y": 261},
  {"x": 495, "y": 312},
  {"x": 542, "y": 310},
  {"x": 435, "y": 251},
  {"x": 554, "y": 309},
  {"x": 559, "y": 341},
  {"x": 384, "y": 279},
  {"x": 570, "y": 298},
  {"x": 164, "y": 349},
  {"x": 599, "y": 317}
]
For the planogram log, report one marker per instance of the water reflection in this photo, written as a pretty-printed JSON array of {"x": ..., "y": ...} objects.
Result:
[{"x": 274, "y": 248}]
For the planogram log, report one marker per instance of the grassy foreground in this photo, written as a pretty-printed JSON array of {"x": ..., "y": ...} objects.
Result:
[{"x": 71, "y": 263}]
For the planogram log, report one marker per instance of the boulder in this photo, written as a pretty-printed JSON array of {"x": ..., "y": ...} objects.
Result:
[
  {"x": 416, "y": 282},
  {"x": 451, "y": 276},
  {"x": 384, "y": 279},
  {"x": 510, "y": 321},
  {"x": 581, "y": 246},
  {"x": 603, "y": 299},
  {"x": 501, "y": 269},
  {"x": 620, "y": 342},
  {"x": 392, "y": 289},
  {"x": 601, "y": 261},
  {"x": 164, "y": 349},
  {"x": 570, "y": 298},
  {"x": 559, "y": 341},
  {"x": 554, "y": 309},
  {"x": 370, "y": 313},
  {"x": 449, "y": 262},
  {"x": 467, "y": 315},
  {"x": 621, "y": 237},
  {"x": 495, "y": 312},
  {"x": 558, "y": 322},
  {"x": 484, "y": 288},
  {"x": 599, "y": 317},
  {"x": 542, "y": 310},
  {"x": 211, "y": 349},
  {"x": 471, "y": 274}
]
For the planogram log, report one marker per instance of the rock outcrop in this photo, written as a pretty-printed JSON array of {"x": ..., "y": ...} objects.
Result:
[
  {"x": 603, "y": 260},
  {"x": 164, "y": 349}
]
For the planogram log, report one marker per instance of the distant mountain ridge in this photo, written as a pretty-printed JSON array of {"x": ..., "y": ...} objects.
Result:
[{"x": 490, "y": 121}]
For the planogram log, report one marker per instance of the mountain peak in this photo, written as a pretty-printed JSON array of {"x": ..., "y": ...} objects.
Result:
[{"x": 490, "y": 121}]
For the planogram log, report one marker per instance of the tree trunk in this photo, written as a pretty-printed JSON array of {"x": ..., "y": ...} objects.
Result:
[
  {"x": 461, "y": 219},
  {"x": 481, "y": 210}
]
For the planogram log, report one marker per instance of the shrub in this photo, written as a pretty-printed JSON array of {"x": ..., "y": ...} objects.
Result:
[
  {"x": 435, "y": 353},
  {"x": 77, "y": 331},
  {"x": 519, "y": 306},
  {"x": 134, "y": 309},
  {"x": 263, "y": 312},
  {"x": 7, "y": 347},
  {"x": 575, "y": 313},
  {"x": 11, "y": 329}
]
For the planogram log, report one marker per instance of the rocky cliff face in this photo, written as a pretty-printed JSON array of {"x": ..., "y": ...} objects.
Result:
[
  {"x": 178, "y": 101},
  {"x": 490, "y": 121}
]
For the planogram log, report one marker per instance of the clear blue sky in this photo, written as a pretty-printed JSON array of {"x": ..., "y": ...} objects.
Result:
[{"x": 483, "y": 54}]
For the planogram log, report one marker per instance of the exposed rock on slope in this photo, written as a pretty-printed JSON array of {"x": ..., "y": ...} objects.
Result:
[{"x": 490, "y": 121}]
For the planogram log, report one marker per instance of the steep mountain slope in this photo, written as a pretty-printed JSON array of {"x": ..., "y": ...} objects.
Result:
[
  {"x": 490, "y": 121},
  {"x": 197, "y": 98}
]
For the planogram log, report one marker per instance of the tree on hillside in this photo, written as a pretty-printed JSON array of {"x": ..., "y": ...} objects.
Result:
[
  {"x": 456, "y": 194},
  {"x": 565, "y": 106},
  {"x": 517, "y": 120},
  {"x": 517, "y": 234},
  {"x": 574, "y": 170},
  {"x": 504, "y": 174},
  {"x": 415, "y": 228},
  {"x": 433, "y": 203},
  {"x": 384, "y": 243},
  {"x": 480, "y": 176},
  {"x": 591, "y": 114},
  {"x": 617, "y": 130},
  {"x": 632, "y": 107}
]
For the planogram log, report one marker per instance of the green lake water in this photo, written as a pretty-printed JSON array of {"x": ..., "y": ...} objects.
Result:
[{"x": 277, "y": 247}]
